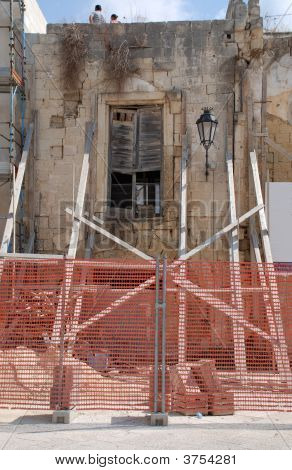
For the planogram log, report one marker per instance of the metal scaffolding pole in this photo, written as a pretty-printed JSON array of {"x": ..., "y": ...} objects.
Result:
[{"x": 13, "y": 83}]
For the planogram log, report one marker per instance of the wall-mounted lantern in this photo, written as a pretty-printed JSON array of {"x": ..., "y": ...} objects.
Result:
[{"x": 207, "y": 125}]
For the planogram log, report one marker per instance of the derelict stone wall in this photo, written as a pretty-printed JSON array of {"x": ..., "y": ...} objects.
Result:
[{"x": 181, "y": 66}]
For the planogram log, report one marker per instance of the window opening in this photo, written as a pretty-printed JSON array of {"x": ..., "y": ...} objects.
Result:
[{"x": 136, "y": 144}]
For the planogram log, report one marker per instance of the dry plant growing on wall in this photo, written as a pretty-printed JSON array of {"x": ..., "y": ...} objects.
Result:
[
  {"x": 119, "y": 65},
  {"x": 74, "y": 51}
]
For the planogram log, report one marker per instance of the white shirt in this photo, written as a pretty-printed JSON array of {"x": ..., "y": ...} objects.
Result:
[{"x": 97, "y": 17}]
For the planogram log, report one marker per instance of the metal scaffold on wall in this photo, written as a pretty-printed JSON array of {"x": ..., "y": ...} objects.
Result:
[{"x": 12, "y": 125}]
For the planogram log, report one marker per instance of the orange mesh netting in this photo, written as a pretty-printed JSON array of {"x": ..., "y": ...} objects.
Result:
[
  {"x": 82, "y": 334},
  {"x": 76, "y": 334},
  {"x": 229, "y": 337}
]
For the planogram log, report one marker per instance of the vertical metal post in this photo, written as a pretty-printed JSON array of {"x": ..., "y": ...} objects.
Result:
[
  {"x": 160, "y": 418},
  {"x": 156, "y": 340},
  {"x": 163, "y": 360},
  {"x": 61, "y": 346}
]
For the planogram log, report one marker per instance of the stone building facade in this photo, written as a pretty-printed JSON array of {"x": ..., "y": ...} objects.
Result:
[{"x": 173, "y": 70}]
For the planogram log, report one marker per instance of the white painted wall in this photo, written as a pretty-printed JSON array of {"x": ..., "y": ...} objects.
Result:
[
  {"x": 279, "y": 202},
  {"x": 34, "y": 20}
]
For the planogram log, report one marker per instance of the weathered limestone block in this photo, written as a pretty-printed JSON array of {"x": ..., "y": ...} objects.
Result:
[
  {"x": 69, "y": 150},
  {"x": 197, "y": 58},
  {"x": 57, "y": 152},
  {"x": 42, "y": 222},
  {"x": 57, "y": 122}
]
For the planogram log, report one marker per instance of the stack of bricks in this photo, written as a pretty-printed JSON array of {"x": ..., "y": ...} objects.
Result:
[
  {"x": 187, "y": 398},
  {"x": 220, "y": 402},
  {"x": 196, "y": 388}
]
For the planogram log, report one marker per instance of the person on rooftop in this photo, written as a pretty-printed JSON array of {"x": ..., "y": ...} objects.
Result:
[
  {"x": 97, "y": 17},
  {"x": 114, "y": 18}
]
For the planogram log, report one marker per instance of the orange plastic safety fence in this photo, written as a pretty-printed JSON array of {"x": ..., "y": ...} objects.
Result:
[
  {"x": 76, "y": 334},
  {"x": 229, "y": 337},
  {"x": 81, "y": 334}
]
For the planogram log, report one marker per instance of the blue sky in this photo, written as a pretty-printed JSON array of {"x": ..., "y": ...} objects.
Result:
[{"x": 152, "y": 10}]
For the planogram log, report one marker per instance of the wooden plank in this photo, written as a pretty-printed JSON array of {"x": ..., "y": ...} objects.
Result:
[
  {"x": 150, "y": 139},
  {"x": 262, "y": 277},
  {"x": 182, "y": 323},
  {"x": 203, "y": 294},
  {"x": 116, "y": 304},
  {"x": 17, "y": 190},
  {"x": 30, "y": 256},
  {"x": 262, "y": 214},
  {"x": 278, "y": 148},
  {"x": 79, "y": 207},
  {"x": 111, "y": 237},
  {"x": 123, "y": 140},
  {"x": 183, "y": 198},
  {"x": 221, "y": 306},
  {"x": 266, "y": 291},
  {"x": 232, "y": 209},
  {"x": 238, "y": 331},
  {"x": 182, "y": 251},
  {"x": 222, "y": 232},
  {"x": 97, "y": 219},
  {"x": 73, "y": 325},
  {"x": 69, "y": 266},
  {"x": 255, "y": 241},
  {"x": 275, "y": 319},
  {"x": 62, "y": 303}
]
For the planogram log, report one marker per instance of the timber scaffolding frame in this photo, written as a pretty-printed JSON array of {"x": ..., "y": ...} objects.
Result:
[
  {"x": 12, "y": 128},
  {"x": 235, "y": 312},
  {"x": 177, "y": 272},
  {"x": 174, "y": 279}
]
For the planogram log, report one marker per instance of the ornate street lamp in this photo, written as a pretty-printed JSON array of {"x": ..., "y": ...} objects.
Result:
[{"x": 207, "y": 125}]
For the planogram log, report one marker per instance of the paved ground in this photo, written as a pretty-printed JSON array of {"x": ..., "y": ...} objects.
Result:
[{"x": 122, "y": 430}]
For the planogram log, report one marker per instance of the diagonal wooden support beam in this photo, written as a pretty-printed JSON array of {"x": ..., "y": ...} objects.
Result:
[
  {"x": 69, "y": 266},
  {"x": 222, "y": 232},
  {"x": 232, "y": 210},
  {"x": 203, "y": 294},
  {"x": 111, "y": 308},
  {"x": 17, "y": 190},
  {"x": 275, "y": 319},
  {"x": 79, "y": 207},
  {"x": 110, "y": 236},
  {"x": 142, "y": 286},
  {"x": 262, "y": 214},
  {"x": 264, "y": 285},
  {"x": 238, "y": 330},
  {"x": 221, "y": 306}
]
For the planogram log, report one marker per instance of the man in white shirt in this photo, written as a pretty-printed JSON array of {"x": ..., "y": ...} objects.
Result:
[{"x": 97, "y": 17}]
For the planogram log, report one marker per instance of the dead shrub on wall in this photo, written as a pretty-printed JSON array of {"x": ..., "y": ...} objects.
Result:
[
  {"x": 119, "y": 64},
  {"x": 74, "y": 51}
]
